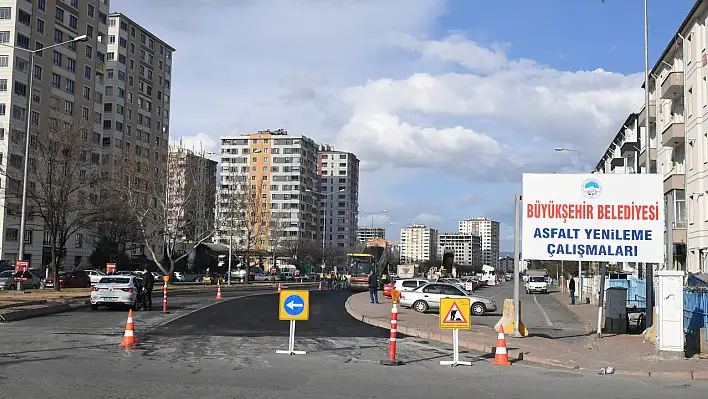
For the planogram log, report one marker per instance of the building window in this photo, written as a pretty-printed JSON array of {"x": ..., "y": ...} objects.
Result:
[
  {"x": 12, "y": 234},
  {"x": 24, "y": 17},
  {"x": 4, "y": 61},
  {"x": 59, "y": 14},
  {"x": 73, "y": 21},
  {"x": 5, "y": 12},
  {"x": 58, "y": 36}
]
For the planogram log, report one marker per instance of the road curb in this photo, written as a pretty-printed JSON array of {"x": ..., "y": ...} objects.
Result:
[
  {"x": 518, "y": 354},
  {"x": 36, "y": 312},
  {"x": 20, "y": 304}
]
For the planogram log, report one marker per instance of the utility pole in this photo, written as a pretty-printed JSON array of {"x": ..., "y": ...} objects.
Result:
[
  {"x": 649, "y": 268},
  {"x": 517, "y": 266}
]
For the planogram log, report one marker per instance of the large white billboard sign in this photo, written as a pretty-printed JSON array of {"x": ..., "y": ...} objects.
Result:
[{"x": 593, "y": 217}]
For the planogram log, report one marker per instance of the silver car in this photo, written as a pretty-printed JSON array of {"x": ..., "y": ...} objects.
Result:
[
  {"x": 7, "y": 280},
  {"x": 428, "y": 297}
]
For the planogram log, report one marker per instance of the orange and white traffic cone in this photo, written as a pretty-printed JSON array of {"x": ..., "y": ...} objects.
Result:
[
  {"x": 320, "y": 289},
  {"x": 501, "y": 357},
  {"x": 280, "y": 287},
  {"x": 218, "y": 291},
  {"x": 129, "y": 336}
]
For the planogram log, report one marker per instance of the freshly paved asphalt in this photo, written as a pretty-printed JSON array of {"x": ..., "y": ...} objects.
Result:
[
  {"x": 227, "y": 350},
  {"x": 257, "y": 316}
]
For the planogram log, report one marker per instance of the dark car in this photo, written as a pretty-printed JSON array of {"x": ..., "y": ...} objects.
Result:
[{"x": 72, "y": 279}]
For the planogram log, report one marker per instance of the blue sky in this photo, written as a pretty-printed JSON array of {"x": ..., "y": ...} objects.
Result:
[{"x": 445, "y": 102}]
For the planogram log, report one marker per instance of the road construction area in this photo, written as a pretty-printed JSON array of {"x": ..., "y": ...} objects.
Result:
[{"x": 227, "y": 349}]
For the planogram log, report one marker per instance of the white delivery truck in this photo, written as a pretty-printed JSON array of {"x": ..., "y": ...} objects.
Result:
[
  {"x": 489, "y": 275},
  {"x": 536, "y": 281}
]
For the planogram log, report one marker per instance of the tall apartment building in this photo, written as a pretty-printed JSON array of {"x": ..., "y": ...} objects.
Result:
[
  {"x": 136, "y": 104},
  {"x": 677, "y": 142},
  {"x": 467, "y": 248},
  {"x": 506, "y": 264},
  {"x": 280, "y": 167},
  {"x": 194, "y": 178},
  {"x": 338, "y": 173},
  {"x": 68, "y": 79},
  {"x": 488, "y": 230},
  {"x": 365, "y": 233},
  {"x": 419, "y": 243}
]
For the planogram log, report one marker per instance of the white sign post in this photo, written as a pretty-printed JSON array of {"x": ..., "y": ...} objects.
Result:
[{"x": 594, "y": 217}]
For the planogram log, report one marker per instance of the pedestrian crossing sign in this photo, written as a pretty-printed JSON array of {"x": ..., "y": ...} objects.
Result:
[{"x": 455, "y": 313}]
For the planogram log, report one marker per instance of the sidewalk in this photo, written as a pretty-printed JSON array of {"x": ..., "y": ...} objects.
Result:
[{"x": 627, "y": 354}]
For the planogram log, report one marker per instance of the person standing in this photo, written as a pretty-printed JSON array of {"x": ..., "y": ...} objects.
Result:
[
  {"x": 571, "y": 288},
  {"x": 148, "y": 284},
  {"x": 373, "y": 287}
]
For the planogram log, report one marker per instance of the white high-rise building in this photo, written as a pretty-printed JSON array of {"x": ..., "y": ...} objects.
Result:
[
  {"x": 467, "y": 248},
  {"x": 419, "y": 243},
  {"x": 488, "y": 230},
  {"x": 338, "y": 173},
  {"x": 366, "y": 233},
  {"x": 68, "y": 79}
]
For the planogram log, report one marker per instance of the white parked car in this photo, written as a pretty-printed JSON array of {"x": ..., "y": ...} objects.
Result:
[
  {"x": 117, "y": 290},
  {"x": 95, "y": 275},
  {"x": 258, "y": 276},
  {"x": 410, "y": 284}
]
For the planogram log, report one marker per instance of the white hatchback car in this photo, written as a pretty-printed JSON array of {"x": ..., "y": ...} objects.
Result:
[
  {"x": 410, "y": 284},
  {"x": 116, "y": 290}
]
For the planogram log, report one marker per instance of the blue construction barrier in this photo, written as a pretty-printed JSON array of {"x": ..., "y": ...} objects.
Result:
[
  {"x": 695, "y": 309},
  {"x": 636, "y": 291}
]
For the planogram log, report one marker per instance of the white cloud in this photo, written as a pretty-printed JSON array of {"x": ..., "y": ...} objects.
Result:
[
  {"x": 428, "y": 219},
  {"x": 381, "y": 220},
  {"x": 535, "y": 108},
  {"x": 366, "y": 76}
]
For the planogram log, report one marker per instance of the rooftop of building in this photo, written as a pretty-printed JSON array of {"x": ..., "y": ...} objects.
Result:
[{"x": 147, "y": 31}]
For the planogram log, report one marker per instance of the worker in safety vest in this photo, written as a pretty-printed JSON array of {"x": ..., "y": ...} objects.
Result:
[
  {"x": 384, "y": 279},
  {"x": 329, "y": 281},
  {"x": 321, "y": 276},
  {"x": 344, "y": 281}
]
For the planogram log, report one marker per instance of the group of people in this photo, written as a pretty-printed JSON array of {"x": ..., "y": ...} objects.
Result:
[{"x": 334, "y": 280}]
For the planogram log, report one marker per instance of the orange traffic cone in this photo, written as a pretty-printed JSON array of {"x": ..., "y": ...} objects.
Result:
[
  {"x": 501, "y": 357},
  {"x": 279, "y": 287},
  {"x": 218, "y": 291},
  {"x": 320, "y": 289},
  {"x": 129, "y": 336}
]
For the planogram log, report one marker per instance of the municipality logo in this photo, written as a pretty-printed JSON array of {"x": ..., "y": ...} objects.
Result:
[{"x": 591, "y": 188}]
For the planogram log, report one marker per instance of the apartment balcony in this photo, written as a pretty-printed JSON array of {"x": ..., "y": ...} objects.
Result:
[
  {"x": 616, "y": 163},
  {"x": 675, "y": 179},
  {"x": 672, "y": 87},
  {"x": 652, "y": 114},
  {"x": 643, "y": 161},
  {"x": 674, "y": 133},
  {"x": 629, "y": 147}
]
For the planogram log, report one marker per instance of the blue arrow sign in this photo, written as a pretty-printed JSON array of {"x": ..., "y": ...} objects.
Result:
[{"x": 294, "y": 305}]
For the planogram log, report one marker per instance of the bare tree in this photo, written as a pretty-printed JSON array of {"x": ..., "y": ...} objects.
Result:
[
  {"x": 168, "y": 200},
  {"x": 64, "y": 176},
  {"x": 245, "y": 213}
]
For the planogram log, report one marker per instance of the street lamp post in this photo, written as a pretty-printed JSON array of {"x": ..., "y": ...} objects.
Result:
[
  {"x": 580, "y": 263},
  {"x": 561, "y": 149},
  {"x": 30, "y": 72}
]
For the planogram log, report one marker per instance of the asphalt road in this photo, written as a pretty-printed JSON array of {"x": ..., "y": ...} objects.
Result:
[
  {"x": 542, "y": 314},
  {"x": 227, "y": 350}
]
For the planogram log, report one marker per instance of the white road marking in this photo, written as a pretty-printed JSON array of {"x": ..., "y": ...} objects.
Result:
[
  {"x": 499, "y": 293},
  {"x": 545, "y": 315}
]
